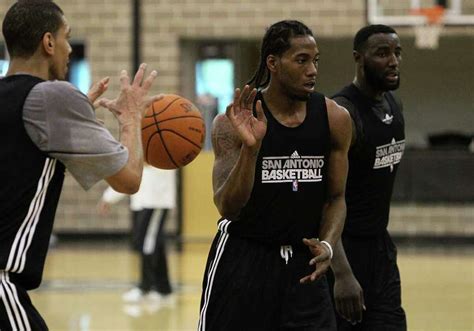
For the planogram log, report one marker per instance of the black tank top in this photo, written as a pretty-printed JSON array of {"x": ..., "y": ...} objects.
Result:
[
  {"x": 373, "y": 163},
  {"x": 290, "y": 179},
  {"x": 30, "y": 190}
]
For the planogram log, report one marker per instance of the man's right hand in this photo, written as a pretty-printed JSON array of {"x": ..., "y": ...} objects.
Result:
[
  {"x": 349, "y": 298},
  {"x": 129, "y": 108},
  {"x": 250, "y": 129}
]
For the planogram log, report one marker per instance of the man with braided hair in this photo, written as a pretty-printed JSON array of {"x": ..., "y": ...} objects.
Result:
[{"x": 279, "y": 178}]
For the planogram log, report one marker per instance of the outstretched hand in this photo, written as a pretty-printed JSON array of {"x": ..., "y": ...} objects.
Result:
[
  {"x": 132, "y": 100},
  {"x": 96, "y": 90},
  {"x": 321, "y": 261},
  {"x": 250, "y": 129}
]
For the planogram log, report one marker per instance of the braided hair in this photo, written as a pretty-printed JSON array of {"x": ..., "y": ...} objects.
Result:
[{"x": 276, "y": 41}]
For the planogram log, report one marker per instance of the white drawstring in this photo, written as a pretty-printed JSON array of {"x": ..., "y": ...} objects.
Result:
[{"x": 286, "y": 252}]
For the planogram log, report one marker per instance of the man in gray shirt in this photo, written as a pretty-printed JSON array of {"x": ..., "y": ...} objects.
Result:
[
  {"x": 70, "y": 132},
  {"x": 48, "y": 126}
]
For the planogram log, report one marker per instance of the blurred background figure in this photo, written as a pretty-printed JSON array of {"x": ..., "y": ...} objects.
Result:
[{"x": 149, "y": 207}]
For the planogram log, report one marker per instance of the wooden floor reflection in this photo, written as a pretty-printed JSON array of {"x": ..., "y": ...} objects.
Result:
[{"x": 82, "y": 290}]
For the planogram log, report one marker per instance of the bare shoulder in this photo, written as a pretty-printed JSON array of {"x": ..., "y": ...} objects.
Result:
[
  {"x": 338, "y": 116},
  {"x": 224, "y": 137}
]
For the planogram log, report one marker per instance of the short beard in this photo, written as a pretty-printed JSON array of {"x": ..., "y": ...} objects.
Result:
[
  {"x": 378, "y": 82},
  {"x": 54, "y": 75},
  {"x": 296, "y": 97}
]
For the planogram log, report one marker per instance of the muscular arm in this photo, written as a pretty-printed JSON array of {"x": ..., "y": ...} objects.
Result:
[
  {"x": 348, "y": 294},
  {"x": 342, "y": 101},
  {"x": 334, "y": 210},
  {"x": 128, "y": 109},
  {"x": 340, "y": 265},
  {"x": 234, "y": 168}
]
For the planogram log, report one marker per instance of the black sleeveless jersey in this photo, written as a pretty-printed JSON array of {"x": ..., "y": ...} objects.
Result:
[
  {"x": 30, "y": 189},
  {"x": 289, "y": 189},
  {"x": 373, "y": 162}
]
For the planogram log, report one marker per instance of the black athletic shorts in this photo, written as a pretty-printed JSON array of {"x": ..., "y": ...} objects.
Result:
[
  {"x": 16, "y": 310},
  {"x": 374, "y": 263},
  {"x": 254, "y": 286}
]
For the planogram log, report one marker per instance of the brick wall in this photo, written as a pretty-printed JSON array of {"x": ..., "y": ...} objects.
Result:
[{"x": 166, "y": 22}]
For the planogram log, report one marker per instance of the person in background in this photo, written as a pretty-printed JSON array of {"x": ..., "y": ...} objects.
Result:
[
  {"x": 150, "y": 208},
  {"x": 367, "y": 288}
]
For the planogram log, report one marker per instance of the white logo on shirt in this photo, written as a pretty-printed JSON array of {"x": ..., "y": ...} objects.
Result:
[
  {"x": 292, "y": 169},
  {"x": 388, "y": 119},
  {"x": 389, "y": 154}
]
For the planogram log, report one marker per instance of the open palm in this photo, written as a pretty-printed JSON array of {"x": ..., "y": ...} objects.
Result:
[
  {"x": 250, "y": 129},
  {"x": 132, "y": 100}
]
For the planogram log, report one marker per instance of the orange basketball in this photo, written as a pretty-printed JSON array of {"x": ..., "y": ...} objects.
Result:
[{"x": 172, "y": 132}]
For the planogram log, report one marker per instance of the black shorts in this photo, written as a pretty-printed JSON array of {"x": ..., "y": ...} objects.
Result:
[
  {"x": 142, "y": 225},
  {"x": 374, "y": 263},
  {"x": 251, "y": 286},
  {"x": 16, "y": 310}
]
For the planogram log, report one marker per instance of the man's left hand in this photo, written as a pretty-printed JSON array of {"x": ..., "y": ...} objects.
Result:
[
  {"x": 96, "y": 90},
  {"x": 321, "y": 261}
]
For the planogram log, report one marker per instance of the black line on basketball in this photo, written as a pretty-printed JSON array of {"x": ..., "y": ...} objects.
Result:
[
  {"x": 180, "y": 135},
  {"x": 169, "y": 119},
  {"x": 154, "y": 118},
  {"x": 159, "y": 132},
  {"x": 164, "y": 109},
  {"x": 164, "y": 145}
]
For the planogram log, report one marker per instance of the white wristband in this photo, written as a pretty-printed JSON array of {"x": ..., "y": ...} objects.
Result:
[{"x": 328, "y": 245}]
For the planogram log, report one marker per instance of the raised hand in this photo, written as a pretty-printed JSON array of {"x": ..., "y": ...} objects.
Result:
[
  {"x": 132, "y": 100},
  {"x": 250, "y": 129},
  {"x": 321, "y": 261},
  {"x": 96, "y": 90}
]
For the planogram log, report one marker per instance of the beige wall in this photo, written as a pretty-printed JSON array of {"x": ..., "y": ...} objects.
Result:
[
  {"x": 199, "y": 213},
  {"x": 105, "y": 27}
]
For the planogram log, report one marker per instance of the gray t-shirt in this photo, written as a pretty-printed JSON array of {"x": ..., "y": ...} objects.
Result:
[{"x": 62, "y": 123}]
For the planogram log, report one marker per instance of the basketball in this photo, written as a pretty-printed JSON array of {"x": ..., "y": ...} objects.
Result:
[{"x": 173, "y": 132}]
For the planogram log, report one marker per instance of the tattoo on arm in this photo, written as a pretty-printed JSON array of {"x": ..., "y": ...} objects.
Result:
[
  {"x": 226, "y": 149},
  {"x": 223, "y": 142}
]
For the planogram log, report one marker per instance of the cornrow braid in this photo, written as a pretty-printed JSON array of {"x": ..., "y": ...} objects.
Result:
[{"x": 276, "y": 41}]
